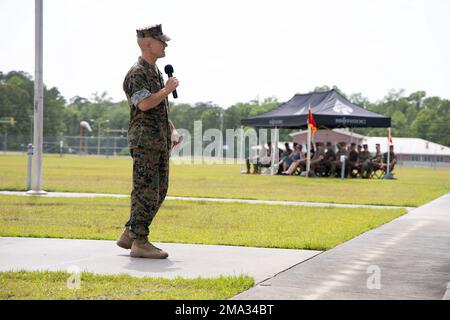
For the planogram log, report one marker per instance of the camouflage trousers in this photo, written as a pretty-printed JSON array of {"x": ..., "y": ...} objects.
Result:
[{"x": 150, "y": 184}]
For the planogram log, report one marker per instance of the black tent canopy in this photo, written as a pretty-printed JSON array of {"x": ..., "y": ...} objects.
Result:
[{"x": 330, "y": 110}]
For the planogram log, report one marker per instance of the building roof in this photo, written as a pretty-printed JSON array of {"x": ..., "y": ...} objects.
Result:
[
  {"x": 408, "y": 146},
  {"x": 345, "y": 132}
]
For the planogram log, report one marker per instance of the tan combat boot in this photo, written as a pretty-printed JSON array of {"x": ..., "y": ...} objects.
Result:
[
  {"x": 141, "y": 248},
  {"x": 125, "y": 241}
]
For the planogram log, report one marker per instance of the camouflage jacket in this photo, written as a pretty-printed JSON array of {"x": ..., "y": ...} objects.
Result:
[
  {"x": 341, "y": 152},
  {"x": 392, "y": 157},
  {"x": 377, "y": 157},
  {"x": 148, "y": 129},
  {"x": 330, "y": 155},
  {"x": 353, "y": 156},
  {"x": 364, "y": 156}
]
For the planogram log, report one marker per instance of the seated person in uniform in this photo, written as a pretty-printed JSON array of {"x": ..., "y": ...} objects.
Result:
[
  {"x": 377, "y": 159},
  {"x": 336, "y": 165},
  {"x": 288, "y": 149},
  {"x": 329, "y": 158},
  {"x": 319, "y": 155},
  {"x": 352, "y": 162},
  {"x": 265, "y": 161},
  {"x": 364, "y": 160},
  {"x": 392, "y": 159},
  {"x": 261, "y": 159},
  {"x": 284, "y": 158},
  {"x": 293, "y": 160}
]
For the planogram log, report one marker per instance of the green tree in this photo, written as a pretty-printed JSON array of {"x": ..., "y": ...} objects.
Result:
[{"x": 16, "y": 100}]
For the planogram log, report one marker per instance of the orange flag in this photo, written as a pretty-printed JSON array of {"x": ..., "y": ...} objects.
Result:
[{"x": 311, "y": 122}]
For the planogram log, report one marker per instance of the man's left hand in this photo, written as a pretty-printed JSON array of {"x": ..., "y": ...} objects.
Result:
[{"x": 175, "y": 143}]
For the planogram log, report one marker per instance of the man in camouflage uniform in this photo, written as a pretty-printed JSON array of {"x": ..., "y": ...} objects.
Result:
[
  {"x": 353, "y": 162},
  {"x": 364, "y": 159},
  {"x": 336, "y": 165},
  {"x": 377, "y": 159},
  {"x": 329, "y": 159},
  {"x": 317, "y": 158},
  {"x": 392, "y": 159},
  {"x": 149, "y": 140}
]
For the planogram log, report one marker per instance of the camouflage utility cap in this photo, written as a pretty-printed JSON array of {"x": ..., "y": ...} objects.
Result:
[{"x": 154, "y": 32}]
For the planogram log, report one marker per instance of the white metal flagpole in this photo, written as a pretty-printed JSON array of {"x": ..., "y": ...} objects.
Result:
[
  {"x": 242, "y": 156},
  {"x": 274, "y": 149},
  {"x": 388, "y": 152},
  {"x": 308, "y": 152},
  {"x": 36, "y": 186}
]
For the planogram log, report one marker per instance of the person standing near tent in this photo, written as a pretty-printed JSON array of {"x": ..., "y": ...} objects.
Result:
[{"x": 149, "y": 139}]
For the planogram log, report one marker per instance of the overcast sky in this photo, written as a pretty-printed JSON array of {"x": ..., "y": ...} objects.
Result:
[{"x": 226, "y": 51}]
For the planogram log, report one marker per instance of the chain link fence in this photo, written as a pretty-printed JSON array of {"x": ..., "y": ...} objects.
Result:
[{"x": 87, "y": 145}]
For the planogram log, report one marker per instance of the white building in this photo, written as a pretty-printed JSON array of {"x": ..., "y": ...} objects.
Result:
[{"x": 414, "y": 151}]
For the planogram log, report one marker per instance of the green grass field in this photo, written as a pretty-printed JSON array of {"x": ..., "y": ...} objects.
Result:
[
  {"x": 414, "y": 187},
  {"x": 277, "y": 226},
  {"x": 53, "y": 286}
]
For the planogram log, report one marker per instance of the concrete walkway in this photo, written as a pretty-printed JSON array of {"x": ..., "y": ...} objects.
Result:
[
  {"x": 407, "y": 258},
  {"x": 185, "y": 260},
  {"x": 271, "y": 202}
]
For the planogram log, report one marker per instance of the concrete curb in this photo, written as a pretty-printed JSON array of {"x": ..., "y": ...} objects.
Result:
[{"x": 228, "y": 200}]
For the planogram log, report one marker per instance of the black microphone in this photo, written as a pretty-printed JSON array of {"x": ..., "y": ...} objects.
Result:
[{"x": 168, "y": 69}]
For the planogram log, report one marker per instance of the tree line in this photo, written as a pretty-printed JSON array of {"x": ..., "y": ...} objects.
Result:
[{"x": 413, "y": 115}]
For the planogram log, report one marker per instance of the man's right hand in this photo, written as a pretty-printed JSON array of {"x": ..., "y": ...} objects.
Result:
[{"x": 172, "y": 84}]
